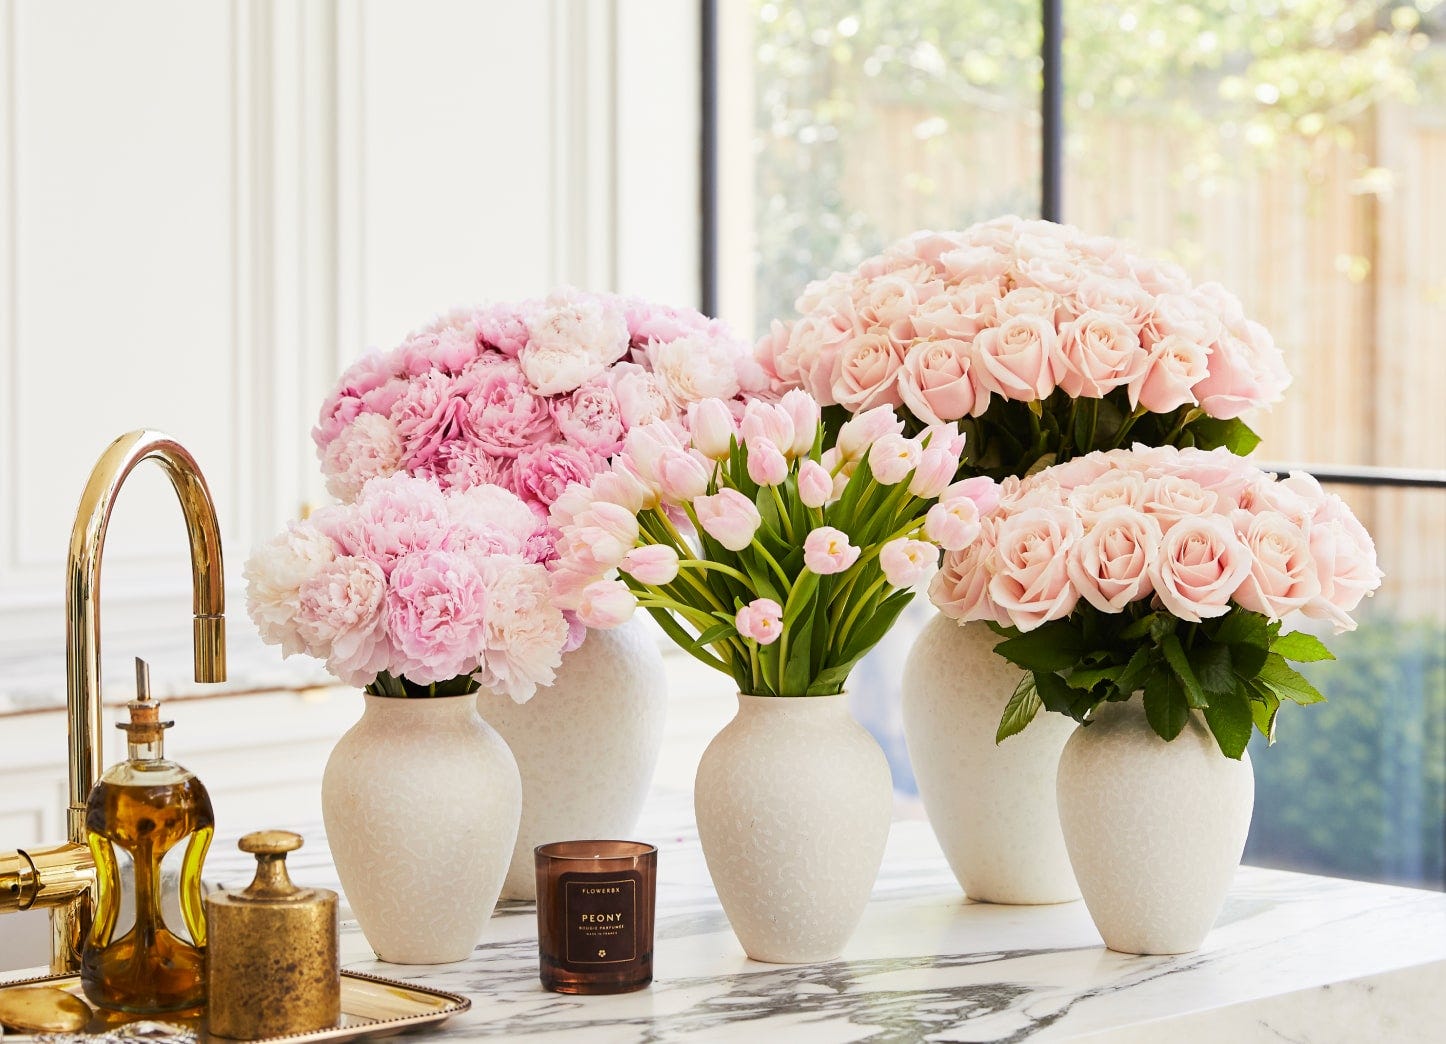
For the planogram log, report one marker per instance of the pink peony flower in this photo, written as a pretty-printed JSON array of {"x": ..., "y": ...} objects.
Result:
[
  {"x": 1200, "y": 566},
  {"x": 430, "y": 415},
  {"x": 395, "y": 516},
  {"x": 503, "y": 416},
  {"x": 729, "y": 518},
  {"x": 524, "y": 633},
  {"x": 590, "y": 418},
  {"x": 437, "y": 615},
  {"x": 543, "y": 472},
  {"x": 504, "y": 328},
  {"x": 341, "y": 618},
  {"x": 827, "y": 550},
  {"x": 275, "y": 574},
  {"x": 572, "y": 338},
  {"x": 690, "y": 369},
  {"x": 761, "y": 620},
  {"x": 366, "y": 449},
  {"x": 640, "y": 395}
]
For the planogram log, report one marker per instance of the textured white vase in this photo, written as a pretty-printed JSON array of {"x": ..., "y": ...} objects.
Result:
[
  {"x": 421, "y": 800},
  {"x": 793, "y": 800},
  {"x": 992, "y": 806},
  {"x": 586, "y": 746},
  {"x": 1155, "y": 830}
]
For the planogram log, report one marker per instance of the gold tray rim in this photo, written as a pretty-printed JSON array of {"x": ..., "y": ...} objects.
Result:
[{"x": 457, "y": 1004}]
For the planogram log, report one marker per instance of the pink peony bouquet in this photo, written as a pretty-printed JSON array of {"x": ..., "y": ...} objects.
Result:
[
  {"x": 1044, "y": 343},
  {"x": 530, "y": 396},
  {"x": 761, "y": 552},
  {"x": 1164, "y": 571},
  {"x": 413, "y": 591}
]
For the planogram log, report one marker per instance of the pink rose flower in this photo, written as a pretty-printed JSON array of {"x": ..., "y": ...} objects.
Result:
[
  {"x": 729, "y": 518},
  {"x": 1031, "y": 572},
  {"x": 1175, "y": 366},
  {"x": 1345, "y": 558},
  {"x": 1283, "y": 575},
  {"x": 865, "y": 372},
  {"x": 1172, "y": 498},
  {"x": 905, "y": 562},
  {"x": 651, "y": 564},
  {"x": 1114, "y": 489},
  {"x": 590, "y": 418},
  {"x": 1031, "y": 301},
  {"x": 815, "y": 484},
  {"x": 437, "y": 615},
  {"x": 1015, "y": 360},
  {"x": 827, "y": 550},
  {"x": 1109, "y": 565},
  {"x": 1098, "y": 353},
  {"x": 1200, "y": 566},
  {"x": 1179, "y": 315},
  {"x": 606, "y": 604},
  {"x": 761, "y": 620},
  {"x": 960, "y": 589},
  {"x": 892, "y": 458},
  {"x": 938, "y": 382},
  {"x": 960, "y": 314},
  {"x": 1121, "y": 298}
]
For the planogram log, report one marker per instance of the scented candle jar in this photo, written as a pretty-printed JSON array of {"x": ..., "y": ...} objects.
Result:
[{"x": 595, "y": 915}]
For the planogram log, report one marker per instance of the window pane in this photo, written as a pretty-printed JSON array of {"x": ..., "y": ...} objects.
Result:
[
  {"x": 1296, "y": 152},
  {"x": 875, "y": 119},
  {"x": 1356, "y": 786}
]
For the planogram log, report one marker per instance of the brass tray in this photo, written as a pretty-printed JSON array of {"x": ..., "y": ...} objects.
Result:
[{"x": 370, "y": 1007}]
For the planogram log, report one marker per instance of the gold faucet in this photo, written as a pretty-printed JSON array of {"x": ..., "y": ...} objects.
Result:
[{"x": 60, "y": 878}]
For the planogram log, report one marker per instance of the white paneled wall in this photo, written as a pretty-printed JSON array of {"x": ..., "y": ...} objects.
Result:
[{"x": 208, "y": 206}]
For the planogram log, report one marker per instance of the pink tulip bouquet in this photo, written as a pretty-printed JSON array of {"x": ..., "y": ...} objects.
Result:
[
  {"x": 413, "y": 591},
  {"x": 1170, "y": 572},
  {"x": 1042, "y": 342},
  {"x": 759, "y": 551},
  {"x": 529, "y": 396}
]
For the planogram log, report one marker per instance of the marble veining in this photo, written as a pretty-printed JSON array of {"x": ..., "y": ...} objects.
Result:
[{"x": 928, "y": 965}]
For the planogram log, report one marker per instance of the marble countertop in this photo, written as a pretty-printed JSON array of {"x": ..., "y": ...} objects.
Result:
[{"x": 1293, "y": 958}]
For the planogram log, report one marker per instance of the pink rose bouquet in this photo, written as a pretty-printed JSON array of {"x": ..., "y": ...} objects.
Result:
[
  {"x": 531, "y": 396},
  {"x": 413, "y": 591},
  {"x": 761, "y": 552},
  {"x": 1165, "y": 571},
  {"x": 1042, "y": 342}
]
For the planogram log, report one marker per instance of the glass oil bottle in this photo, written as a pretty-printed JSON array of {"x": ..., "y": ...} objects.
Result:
[{"x": 146, "y": 806}]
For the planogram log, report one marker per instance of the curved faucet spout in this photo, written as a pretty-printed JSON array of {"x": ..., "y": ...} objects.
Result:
[{"x": 82, "y": 594}]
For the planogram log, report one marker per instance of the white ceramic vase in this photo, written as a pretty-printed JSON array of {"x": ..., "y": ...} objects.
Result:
[
  {"x": 992, "y": 806},
  {"x": 421, "y": 800},
  {"x": 586, "y": 746},
  {"x": 793, "y": 801},
  {"x": 1155, "y": 830}
]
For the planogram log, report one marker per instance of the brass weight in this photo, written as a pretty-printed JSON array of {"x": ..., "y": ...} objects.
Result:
[{"x": 272, "y": 950}]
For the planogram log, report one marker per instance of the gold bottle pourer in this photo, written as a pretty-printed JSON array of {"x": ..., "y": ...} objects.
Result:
[{"x": 145, "y": 725}]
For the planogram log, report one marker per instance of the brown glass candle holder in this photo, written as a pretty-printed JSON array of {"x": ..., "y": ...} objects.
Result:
[{"x": 595, "y": 915}]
